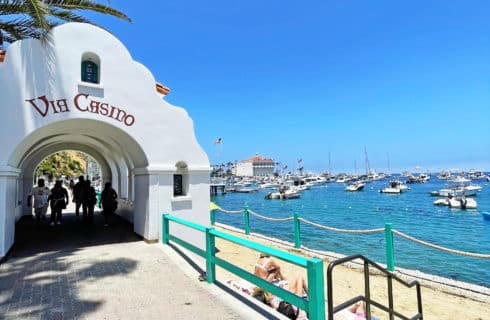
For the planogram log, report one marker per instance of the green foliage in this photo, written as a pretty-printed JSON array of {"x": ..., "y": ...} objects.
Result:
[
  {"x": 21, "y": 19},
  {"x": 69, "y": 164}
]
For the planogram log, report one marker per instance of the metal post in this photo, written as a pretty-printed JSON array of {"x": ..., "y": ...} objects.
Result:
[
  {"x": 98, "y": 193},
  {"x": 246, "y": 218},
  {"x": 165, "y": 229},
  {"x": 297, "y": 235},
  {"x": 213, "y": 217},
  {"x": 210, "y": 266},
  {"x": 316, "y": 293},
  {"x": 390, "y": 250}
]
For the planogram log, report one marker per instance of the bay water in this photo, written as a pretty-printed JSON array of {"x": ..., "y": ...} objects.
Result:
[{"x": 411, "y": 212}]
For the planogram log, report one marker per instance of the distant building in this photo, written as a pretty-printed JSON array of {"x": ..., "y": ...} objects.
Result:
[{"x": 255, "y": 167}]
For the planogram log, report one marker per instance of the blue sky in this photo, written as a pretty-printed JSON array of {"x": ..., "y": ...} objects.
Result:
[{"x": 409, "y": 82}]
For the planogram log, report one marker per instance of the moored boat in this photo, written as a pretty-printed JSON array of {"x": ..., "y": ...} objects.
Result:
[
  {"x": 356, "y": 186},
  {"x": 394, "y": 188}
]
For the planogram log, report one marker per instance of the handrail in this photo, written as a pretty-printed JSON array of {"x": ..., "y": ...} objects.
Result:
[
  {"x": 315, "y": 305},
  {"x": 367, "y": 295}
]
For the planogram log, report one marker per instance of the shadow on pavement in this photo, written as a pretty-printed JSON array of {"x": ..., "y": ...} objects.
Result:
[{"x": 42, "y": 275}]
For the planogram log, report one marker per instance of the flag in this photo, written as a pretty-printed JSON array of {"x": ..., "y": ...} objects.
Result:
[
  {"x": 300, "y": 160},
  {"x": 214, "y": 206},
  {"x": 217, "y": 141}
]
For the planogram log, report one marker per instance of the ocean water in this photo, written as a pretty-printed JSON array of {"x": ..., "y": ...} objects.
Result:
[{"x": 411, "y": 212}]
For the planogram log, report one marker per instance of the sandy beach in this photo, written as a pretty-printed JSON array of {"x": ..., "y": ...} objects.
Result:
[{"x": 442, "y": 298}]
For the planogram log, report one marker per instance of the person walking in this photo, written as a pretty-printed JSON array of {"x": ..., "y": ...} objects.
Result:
[
  {"x": 77, "y": 194},
  {"x": 40, "y": 195},
  {"x": 59, "y": 199},
  {"x": 88, "y": 199},
  {"x": 108, "y": 199}
]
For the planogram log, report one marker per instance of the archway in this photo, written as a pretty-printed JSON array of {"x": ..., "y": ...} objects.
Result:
[
  {"x": 116, "y": 152},
  {"x": 141, "y": 141}
]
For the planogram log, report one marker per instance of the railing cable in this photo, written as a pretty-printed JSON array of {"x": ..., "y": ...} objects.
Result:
[
  {"x": 463, "y": 253},
  {"x": 269, "y": 219},
  {"x": 342, "y": 230}
]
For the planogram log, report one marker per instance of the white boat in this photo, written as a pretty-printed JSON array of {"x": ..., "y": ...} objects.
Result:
[
  {"x": 457, "y": 202},
  {"x": 270, "y": 185},
  {"x": 476, "y": 175},
  {"x": 445, "y": 175},
  {"x": 283, "y": 195},
  {"x": 393, "y": 188},
  {"x": 356, "y": 186},
  {"x": 459, "y": 189},
  {"x": 462, "y": 203},
  {"x": 442, "y": 202}
]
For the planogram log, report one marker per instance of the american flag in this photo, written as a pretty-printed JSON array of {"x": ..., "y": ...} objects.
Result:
[{"x": 217, "y": 141}]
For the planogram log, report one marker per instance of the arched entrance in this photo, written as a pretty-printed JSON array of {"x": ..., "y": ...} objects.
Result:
[
  {"x": 117, "y": 154},
  {"x": 144, "y": 145}
]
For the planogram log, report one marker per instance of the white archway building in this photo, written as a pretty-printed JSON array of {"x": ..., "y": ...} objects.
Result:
[{"x": 83, "y": 91}]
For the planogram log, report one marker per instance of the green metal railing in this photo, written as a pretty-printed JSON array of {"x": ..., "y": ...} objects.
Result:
[{"x": 314, "y": 306}]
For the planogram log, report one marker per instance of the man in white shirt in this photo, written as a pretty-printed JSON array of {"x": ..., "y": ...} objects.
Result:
[{"x": 40, "y": 195}]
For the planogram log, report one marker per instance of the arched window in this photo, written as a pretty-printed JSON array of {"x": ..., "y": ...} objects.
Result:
[
  {"x": 181, "y": 180},
  {"x": 90, "y": 68}
]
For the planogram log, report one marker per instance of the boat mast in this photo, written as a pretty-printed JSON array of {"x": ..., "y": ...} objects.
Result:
[
  {"x": 367, "y": 160},
  {"x": 388, "y": 156},
  {"x": 329, "y": 164}
]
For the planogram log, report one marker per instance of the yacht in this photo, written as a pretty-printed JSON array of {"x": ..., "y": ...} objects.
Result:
[
  {"x": 393, "y": 188},
  {"x": 460, "y": 187},
  {"x": 356, "y": 186},
  {"x": 445, "y": 175},
  {"x": 476, "y": 175}
]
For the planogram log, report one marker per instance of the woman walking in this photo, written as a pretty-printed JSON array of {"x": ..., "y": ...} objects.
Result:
[
  {"x": 58, "y": 200},
  {"x": 108, "y": 198}
]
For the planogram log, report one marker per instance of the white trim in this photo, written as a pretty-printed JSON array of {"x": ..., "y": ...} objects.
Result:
[
  {"x": 8, "y": 171},
  {"x": 181, "y": 198},
  {"x": 91, "y": 85},
  {"x": 168, "y": 170}
]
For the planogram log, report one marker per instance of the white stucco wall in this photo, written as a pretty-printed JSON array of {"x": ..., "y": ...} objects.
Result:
[{"x": 140, "y": 153}]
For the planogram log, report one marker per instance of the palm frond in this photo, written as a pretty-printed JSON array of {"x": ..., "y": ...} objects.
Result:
[
  {"x": 68, "y": 16},
  {"x": 88, "y": 5}
]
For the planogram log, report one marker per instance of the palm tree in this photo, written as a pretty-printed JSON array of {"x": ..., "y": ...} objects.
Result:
[{"x": 20, "y": 19}]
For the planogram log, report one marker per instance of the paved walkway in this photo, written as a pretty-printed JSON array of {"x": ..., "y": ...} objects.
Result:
[{"x": 77, "y": 271}]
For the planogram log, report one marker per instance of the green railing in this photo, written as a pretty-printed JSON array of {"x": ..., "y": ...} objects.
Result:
[
  {"x": 314, "y": 306},
  {"x": 388, "y": 232}
]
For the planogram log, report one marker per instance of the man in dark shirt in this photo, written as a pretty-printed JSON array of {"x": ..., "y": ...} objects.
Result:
[{"x": 77, "y": 194}]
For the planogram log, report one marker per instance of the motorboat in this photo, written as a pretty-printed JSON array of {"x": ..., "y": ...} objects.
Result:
[
  {"x": 421, "y": 178},
  {"x": 457, "y": 202},
  {"x": 356, "y": 186},
  {"x": 283, "y": 195},
  {"x": 476, "y": 175},
  {"x": 462, "y": 203},
  {"x": 445, "y": 175},
  {"x": 393, "y": 188},
  {"x": 459, "y": 188},
  {"x": 442, "y": 202},
  {"x": 269, "y": 185}
]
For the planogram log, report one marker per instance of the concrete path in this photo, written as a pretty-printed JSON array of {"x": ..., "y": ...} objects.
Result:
[{"x": 77, "y": 271}]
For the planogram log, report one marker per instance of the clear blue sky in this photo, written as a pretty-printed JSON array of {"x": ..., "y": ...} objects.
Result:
[{"x": 289, "y": 80}]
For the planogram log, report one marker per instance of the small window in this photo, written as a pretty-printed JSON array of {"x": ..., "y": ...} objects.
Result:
[
  {"x": 178, "y": 185},
  {"x": 90, "y": 68}
]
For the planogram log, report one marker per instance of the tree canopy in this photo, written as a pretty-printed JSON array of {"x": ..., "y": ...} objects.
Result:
[
  {"x": 20, "y": 19},
  {"x": 65, "y": 163}
]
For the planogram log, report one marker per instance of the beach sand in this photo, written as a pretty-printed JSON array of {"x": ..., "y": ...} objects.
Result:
[{"x": 439, "y": 300}]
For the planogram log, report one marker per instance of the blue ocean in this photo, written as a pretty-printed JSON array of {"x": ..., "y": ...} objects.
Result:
[{"x": 411, "y": 212}]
